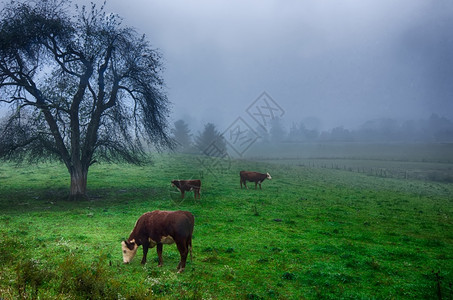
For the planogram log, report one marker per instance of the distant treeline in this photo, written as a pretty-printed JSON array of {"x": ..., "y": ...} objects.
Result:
[{"x": 434, "y": 129}]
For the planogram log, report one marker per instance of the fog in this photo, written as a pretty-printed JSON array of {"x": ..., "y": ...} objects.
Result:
[
  {"x": 341, "y": 63},
  {"x": 329, "y": 63}
]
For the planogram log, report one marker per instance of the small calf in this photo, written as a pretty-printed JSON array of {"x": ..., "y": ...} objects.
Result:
[{"x": 188, "y": 185}]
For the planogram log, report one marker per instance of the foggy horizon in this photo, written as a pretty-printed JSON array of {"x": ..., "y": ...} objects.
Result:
[
  {"x": 341, "y": 63},
  {"x": 337, "y": 64}
]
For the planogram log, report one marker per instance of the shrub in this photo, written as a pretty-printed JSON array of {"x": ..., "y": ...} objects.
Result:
[
  {"x": 93, "y": 282},
  {"x": 30, "y": 273}
]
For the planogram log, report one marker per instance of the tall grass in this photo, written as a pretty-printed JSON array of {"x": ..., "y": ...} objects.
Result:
[{"x": 309, "y": 233}]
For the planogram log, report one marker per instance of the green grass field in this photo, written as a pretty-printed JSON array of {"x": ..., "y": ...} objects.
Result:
[
  {"x": 429, "y": 162},
  {"x": 309, "y": 233}
]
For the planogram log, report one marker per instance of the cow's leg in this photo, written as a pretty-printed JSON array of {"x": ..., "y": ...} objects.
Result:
[
  {"x": 189, "y": 246},
  {"x": 145, "y": 252},
  {"x": 183, "y": 251},
  {"x": 182, "y": 194},
  {"x": 256, "y": 183},
  {"x": 259, "y": 184},
  {"x": 159, "y": 254}
]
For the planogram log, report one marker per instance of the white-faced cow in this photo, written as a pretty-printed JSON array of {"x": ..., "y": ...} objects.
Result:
[
  {"x": 188, "y": 185},
  {"x": 157, "y": 228},
  {"x": 255, "y": 177}
]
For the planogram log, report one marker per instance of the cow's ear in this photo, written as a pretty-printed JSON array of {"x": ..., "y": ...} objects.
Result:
[{"x": 131, "y": 244}]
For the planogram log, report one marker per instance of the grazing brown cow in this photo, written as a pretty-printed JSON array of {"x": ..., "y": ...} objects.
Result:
[
  {"x": 255, "y": 177},
  {"x": 158, "y": 228},
  {"x": 188, "y": 185}
]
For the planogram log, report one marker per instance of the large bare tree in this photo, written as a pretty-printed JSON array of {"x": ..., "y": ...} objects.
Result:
[{"x": 81, "y": 87}]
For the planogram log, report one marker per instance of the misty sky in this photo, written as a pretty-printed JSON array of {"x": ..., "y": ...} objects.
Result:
[{"x": 343, "y": 62}]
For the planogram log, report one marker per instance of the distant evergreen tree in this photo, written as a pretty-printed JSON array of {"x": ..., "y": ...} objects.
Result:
[
  {"x": 211, "y": 142},
  {"x": 301, "y": 133},
  {"x": 182, "y": 136},
  {"x": 263, "y": 134},
  {"x": 277, "y": 131}
]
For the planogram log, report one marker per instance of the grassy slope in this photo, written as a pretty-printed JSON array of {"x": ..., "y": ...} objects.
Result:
[{"x": 308, "y": 233}]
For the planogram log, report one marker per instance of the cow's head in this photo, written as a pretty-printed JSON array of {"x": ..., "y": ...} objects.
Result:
[
  {"x": 269, "y": 176},
  {"x": 129, "y": 250}
]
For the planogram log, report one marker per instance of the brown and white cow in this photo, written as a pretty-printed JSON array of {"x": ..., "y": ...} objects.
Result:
[
  {"x": 255, "y": 177},
  {"x": 157, "y": 228},
  {"x": 188, "y": 185}
]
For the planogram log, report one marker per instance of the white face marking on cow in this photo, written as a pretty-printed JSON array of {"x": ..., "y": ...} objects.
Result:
[
  {"x": 128, "y": 254},
  {"x": 269, "y": 176},
  {"x": 174, "y": 185}
]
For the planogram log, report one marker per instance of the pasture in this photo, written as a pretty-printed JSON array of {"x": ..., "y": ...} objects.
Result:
[
  {"x": 309, "y": 233},
  {"x": 431, "y": 162}
]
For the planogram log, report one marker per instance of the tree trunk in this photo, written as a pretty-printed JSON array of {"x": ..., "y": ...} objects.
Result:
[{"x": 78, "y": 183}]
